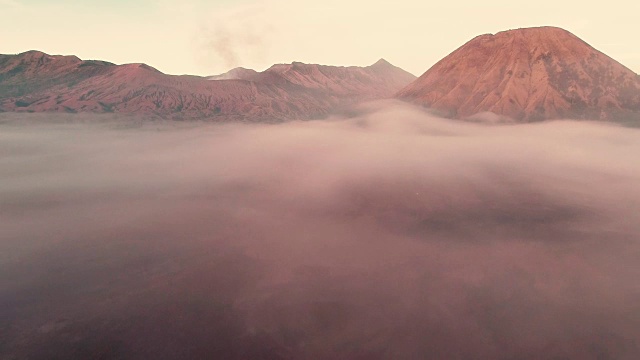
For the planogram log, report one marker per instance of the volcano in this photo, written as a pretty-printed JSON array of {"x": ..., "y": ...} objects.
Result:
[{"x": 527, "y": 75}]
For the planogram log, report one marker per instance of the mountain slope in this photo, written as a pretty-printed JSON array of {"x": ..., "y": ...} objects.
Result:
[
  {"x": 528, "y": 74},
  {"x": 37, "y": 82},
  {"x": 373, "y": 81}
]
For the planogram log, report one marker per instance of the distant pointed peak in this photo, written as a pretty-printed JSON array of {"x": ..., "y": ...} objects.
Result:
[{"x": 382, "y": 63}]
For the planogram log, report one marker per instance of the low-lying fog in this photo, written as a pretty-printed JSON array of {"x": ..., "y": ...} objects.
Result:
[{"x": 388, "y": 235}]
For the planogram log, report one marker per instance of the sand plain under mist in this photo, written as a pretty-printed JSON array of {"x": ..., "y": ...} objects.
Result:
[{"x": 387, "y": 234}]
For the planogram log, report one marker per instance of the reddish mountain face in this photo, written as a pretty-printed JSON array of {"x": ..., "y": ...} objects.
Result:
[
  {"x": 37, "y": 82},
  {"x": 529, "y": 74},
  {"x": 375, "y": 81}
]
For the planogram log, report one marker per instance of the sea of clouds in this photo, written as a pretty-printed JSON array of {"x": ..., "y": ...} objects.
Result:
[{"x": 385, "y": 234}]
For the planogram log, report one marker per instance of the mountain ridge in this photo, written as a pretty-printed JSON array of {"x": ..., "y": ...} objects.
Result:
[{"x": 34, "y": 81}]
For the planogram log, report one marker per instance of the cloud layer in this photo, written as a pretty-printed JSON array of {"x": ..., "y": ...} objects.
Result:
[{"x": 390, "y": 234}]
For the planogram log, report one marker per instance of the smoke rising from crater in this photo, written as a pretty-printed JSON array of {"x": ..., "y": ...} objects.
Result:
[
  {"x": 235, "y": 37},
  {"x": 390, "y": 234}
]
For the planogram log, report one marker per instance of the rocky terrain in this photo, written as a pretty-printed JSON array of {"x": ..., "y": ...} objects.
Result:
[
  {"x": 38, "y": 82},
  {"x": 528, "y": 74}
]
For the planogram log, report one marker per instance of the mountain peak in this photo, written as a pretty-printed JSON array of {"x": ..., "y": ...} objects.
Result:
[
  {"x": 528, "y": 74},
  {"x": 536, "y": 29},
  {"x": 238, "y": 73},
  {"x": 383, "y": 66},
  {"x": 36, "y": 55},
  {"x": 140, "y": 67},
  {"x": 382, "y": 63},
  {"x": 33, "y": 53}
]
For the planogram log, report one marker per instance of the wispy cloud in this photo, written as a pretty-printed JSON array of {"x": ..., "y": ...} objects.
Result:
[{"x": 235, "y": 36}]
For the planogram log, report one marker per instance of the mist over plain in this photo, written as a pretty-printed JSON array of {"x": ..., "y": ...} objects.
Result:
[{"x": 385, "y": 234}]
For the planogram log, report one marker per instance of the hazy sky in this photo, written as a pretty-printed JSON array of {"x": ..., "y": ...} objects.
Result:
[{"x": 210, "y": 37}]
